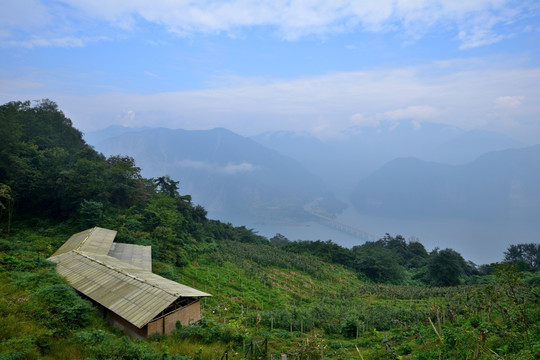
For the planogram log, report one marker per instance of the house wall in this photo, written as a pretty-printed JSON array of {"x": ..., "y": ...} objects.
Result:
[
  {"x": 167, "y": 324},
  {"x": 125, "y": 326},
  {"x": 187, "y": 315}
]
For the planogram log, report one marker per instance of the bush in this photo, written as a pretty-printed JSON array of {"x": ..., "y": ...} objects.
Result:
[
  {"x": 68, "y": 310},
  {"x": 404, "y": 349},
  {"x": 12, "y": 263},
  {"x": 208, "y": 332},
  {"x": 102, "y": 345}
]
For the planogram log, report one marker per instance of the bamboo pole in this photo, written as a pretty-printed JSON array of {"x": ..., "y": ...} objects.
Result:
[
  {"x": 435, "y": 329},
  {"x": 358, "y": 350}
]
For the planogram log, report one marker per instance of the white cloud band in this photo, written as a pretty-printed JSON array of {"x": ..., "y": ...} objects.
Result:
[{"x": 474, "y": 22}]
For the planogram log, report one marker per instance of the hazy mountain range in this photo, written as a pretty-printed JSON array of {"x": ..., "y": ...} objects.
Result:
[
  {"x": 342, "y": 161},
  {"x": 408, "y": 171},
  {"x": 232, "y": 176},
  {"x": 498, "y": 185}
]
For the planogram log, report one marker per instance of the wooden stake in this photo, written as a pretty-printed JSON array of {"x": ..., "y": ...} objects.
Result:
[
  {"x": 439, "y": 320},
  {"x": 361, "y": 357},
  {"x": 435, "y": 329}
]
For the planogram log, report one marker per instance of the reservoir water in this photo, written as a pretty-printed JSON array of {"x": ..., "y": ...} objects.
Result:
[{"x": 479, "y": 242}]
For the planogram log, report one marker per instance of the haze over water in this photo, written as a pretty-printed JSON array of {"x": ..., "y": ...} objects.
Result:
[{"x": 481, "y": 243}]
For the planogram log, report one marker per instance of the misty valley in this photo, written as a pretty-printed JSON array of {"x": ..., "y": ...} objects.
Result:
[{"x": 470, "y": 190}]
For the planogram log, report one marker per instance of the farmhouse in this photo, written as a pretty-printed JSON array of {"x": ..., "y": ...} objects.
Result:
[{"x": 118, "y": 278}]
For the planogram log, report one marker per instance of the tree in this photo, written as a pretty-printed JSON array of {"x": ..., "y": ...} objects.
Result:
[
  {"x": 524, "y": 256},
  {"x": 416, "y": 254},
  {"x": 279, "y": 240},
  {"x": 10, "y": 133},
  {"x": 445, "y": 267},
  {"x": 124, "y": 176},
  {"x": 396, "y": 244},
  {"x": 199, "y": 213},
  {"x": 91, "y": 213},
  {"x": 380, "y": 265},
  {"x": 6, "y": 204},
  {"x": 167, "y": 186}
]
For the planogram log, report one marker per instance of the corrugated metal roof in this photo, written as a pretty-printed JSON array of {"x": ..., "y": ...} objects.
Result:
[
  {"x": 95, "y": 240},
  {"x": 138, "y": 255},
  {"x": 131, "y": 291}
]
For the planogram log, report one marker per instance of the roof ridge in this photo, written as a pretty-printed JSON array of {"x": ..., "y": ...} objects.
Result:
[
  {"x": 86, "y": 238},
  {"x": 125, "y": 272}
]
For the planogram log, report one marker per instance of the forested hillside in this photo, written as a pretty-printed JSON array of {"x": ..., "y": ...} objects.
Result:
[{"x": 388, "y": 299}]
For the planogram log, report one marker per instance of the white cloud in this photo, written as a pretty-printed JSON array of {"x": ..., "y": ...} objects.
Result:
[
  {"x": 476, "y": 22},
  {"x": 128, "y": 118},
  {"x": 478, "y": 37},
  {"x": 509, "y": 102},
  {"x": 421, "y": 112},
  {"x": 232, "y": 168},
  {"x": 48, "y": 42},
  {"x": 229, "y": 168},
  {"x": 466, "y": 94},
  {"x": 363, "y": 121}
]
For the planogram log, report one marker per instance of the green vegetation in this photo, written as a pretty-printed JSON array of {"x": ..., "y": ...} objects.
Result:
[
  {"x": 388, "y": 299},
  {"x": 392, "y": 260}
]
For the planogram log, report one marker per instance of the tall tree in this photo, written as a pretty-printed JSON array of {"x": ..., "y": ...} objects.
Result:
[
  {"x": 525, "y": 256},
  {"x": 6, "y": 204},
  {"x": 445, "y": 267},
  {"x": 167, "y": 186}
]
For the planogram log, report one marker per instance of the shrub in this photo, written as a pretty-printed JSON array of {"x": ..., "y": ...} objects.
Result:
[
  {"x": 68, "y": 310},
  {"x": 208, "y": 332},
  {"x": 404, "y": 349},
  {"x": 102, "y": 345}
]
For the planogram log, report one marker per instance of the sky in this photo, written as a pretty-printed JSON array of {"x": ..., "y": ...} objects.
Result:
[{"x": 321, "y": 67}]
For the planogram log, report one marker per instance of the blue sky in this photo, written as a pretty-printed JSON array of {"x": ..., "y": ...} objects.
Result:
[{"x": 253, "y": 66}]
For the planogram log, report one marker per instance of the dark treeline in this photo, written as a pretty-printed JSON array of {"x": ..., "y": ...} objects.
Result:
[{"x": 48, "y": 173}]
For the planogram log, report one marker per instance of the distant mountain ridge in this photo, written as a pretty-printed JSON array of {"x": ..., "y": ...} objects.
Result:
[
  {"x": 358, "y": 152},
  {"x": 242, "y": 179},
  {"x": 223, "y": 171},
  {"x": 497, "y": 185}
]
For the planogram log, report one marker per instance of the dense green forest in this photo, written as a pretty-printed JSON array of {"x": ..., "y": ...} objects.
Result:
[{"x": 389, "y": 298}]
